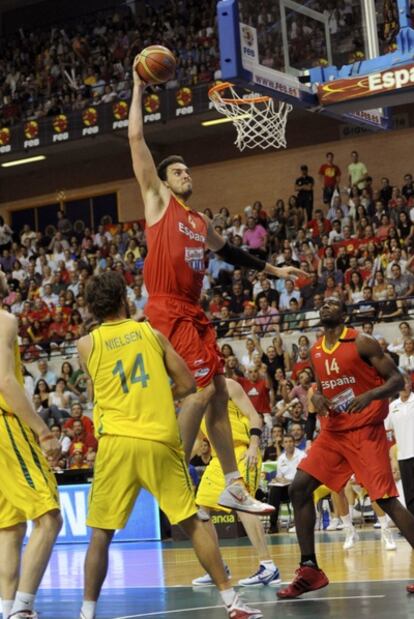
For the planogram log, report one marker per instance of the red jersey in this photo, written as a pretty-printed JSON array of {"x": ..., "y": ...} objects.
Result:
[
  {"x": 343, "y": 375},
  {"x": 175, "y": 265},
  {"x": 258, "y": 393}
]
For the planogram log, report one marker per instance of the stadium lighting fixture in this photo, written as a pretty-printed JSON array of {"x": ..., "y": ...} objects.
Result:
[
  {"x": 10, "y": 164},
  {"x": 219, "y": 121}
]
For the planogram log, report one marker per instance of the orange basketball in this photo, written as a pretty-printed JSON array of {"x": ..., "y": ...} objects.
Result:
[{"x": 156, "y": 64}]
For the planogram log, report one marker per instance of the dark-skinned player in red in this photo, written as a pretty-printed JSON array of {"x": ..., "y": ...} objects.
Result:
[{"x": 354, "y": 380}]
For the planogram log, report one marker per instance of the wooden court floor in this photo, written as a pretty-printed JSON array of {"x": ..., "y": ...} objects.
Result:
[{"x": 154, "y": 580}]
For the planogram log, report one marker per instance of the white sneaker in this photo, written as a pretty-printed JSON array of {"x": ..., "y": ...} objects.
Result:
[
  {"x": 377, "y": 525},
  {"x": 351, "y": 538},
  {"x": 206, "y": 580},
  {"x": 318, "y": 523},
  {"x": 236, "y": 497},
  {"x": 292, "y": 529},
  {"x": 388, "y": 539},
  {"x": 263, "y": 576},
  {"x": 333, "y": 525},
  {"x": 24, "y": 614},
  {"x": 240, "y": 610}
]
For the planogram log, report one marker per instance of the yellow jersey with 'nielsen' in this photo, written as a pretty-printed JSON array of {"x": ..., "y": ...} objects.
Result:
[
  {"x": 4, "y": 407},
  {"x": 131, "y": 386},
  {"x": 240, "y": 427}
]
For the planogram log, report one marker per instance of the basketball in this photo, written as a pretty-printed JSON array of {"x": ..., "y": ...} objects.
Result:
[{"x": 156, "y": 64}]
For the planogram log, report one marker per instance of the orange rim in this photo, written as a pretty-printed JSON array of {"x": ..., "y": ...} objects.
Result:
[{"x": 224, "y": 85}]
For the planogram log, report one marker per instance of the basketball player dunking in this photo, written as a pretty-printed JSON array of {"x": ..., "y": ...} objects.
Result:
[
  {"x": 177, "y": 237},
  {"x": 354, "y": 379}
]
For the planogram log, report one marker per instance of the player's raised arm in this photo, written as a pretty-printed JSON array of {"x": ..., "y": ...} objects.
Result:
[
  {"x": 183, "y": 380},
  {"x": 13, "y": 392},
  {"x": 154, "y": 193},
  {"x": 238, "y": 257},
  {"x": 371, "y": 352}
]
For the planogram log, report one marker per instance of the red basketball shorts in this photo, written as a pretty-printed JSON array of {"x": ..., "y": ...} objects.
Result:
[
  {"x": 190, "y": 332},
  {"x": 335, "y": 456}
]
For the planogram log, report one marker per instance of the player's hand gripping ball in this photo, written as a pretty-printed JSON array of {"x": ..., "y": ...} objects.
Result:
[{"x": 156, "y": 64}]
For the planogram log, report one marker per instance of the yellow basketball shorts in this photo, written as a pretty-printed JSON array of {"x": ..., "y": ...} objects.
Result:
[
  {"x": 123, "y": 466},
  {"x": 213, "y": 483},
  {"x": 320, "y": 493},
  {"x": 28, "y": 487}
]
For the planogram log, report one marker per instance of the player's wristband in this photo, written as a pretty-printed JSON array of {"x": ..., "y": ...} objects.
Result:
[
  {"x": 46, "y": 437},
  {"x": 255, "y": 432}
]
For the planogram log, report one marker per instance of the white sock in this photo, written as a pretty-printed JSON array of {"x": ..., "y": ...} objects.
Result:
[
  {"x": 22, "y": 601},
  {"x": 228, "y": 596},
  {"x": 383, "y": 520},
  {"x": 88, "y": 609},
  {"x": 347, "y": 520},
  {"x": 7, "y": 605},
  {"x": 269, "y": 565},
  {"x": 231, "y": 477}
]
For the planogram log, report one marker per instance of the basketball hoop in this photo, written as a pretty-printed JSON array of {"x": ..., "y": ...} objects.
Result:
[{"x": 257, "y": 122}]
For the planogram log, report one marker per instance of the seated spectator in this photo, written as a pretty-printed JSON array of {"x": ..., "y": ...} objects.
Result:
[
  {"x": 311, "y": 316},
  {"x": 237, "y": 299},
  {"x": 45, "y": 374},
  {"x": 268, "y": 317},
  {"x": 203, "y": 455},
  {"x": 353, "y": 291},
  {"x": 308, "y": 292},
  {"x": 76, "y": 414},
  {"x": 223, "y": 324},
  {"x": 64, "y": 441},
  {"x": 301, "y": 390},
  {"x": 406, "y": 360},
  {"x": 379, "y": 289},
  {"x": 366, "y": 307},
  {"x": 287, "y": 464},
  {"x": 219, "y": 271},
  {"x": 293, "y": 319},
  {"x": 77, "y": 460},
  {"x": 227, "y": 351},
  {"x": 287, "y": 295},
  {"x": 275, "y": 448},
  {"x": 297, "y": 430},
  {"x": 385, "y": 349},
  {"x": 403, "y": 284},
  {"x": 80, "y": 438},
  {"x": 255, "y": 238},
  {"x": 391, "y": 307},
  {"x": 247, "y": 319},
  {"x": 61, "y": 397},
  {"x": 270, "y": 293},
  {"x": 406, "y": 333},
  {"x": 232, "y": 368}
]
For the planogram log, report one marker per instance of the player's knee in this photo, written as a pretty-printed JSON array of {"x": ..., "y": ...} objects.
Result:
[
  {"x": 51, "y": 522},
  {"x": 299, "y": 492}
]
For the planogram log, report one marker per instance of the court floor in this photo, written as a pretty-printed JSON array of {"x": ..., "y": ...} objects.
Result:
[{"x": 152, "y": 580}]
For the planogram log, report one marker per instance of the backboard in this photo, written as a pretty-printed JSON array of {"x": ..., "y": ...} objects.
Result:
[{"x": 328, "y": 56}]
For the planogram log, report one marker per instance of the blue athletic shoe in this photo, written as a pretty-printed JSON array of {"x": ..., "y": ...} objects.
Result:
[{"x": 263, "y": 576}]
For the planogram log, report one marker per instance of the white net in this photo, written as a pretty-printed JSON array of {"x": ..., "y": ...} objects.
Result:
[{"x": 257, "y": 122}]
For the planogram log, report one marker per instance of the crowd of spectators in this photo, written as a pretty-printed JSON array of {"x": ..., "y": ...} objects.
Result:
[
  {"x": 356, "y": 244},
  {"x": 71, "y": 66}
]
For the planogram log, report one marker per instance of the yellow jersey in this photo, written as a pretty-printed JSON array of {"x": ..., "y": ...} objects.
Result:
[
  {"x": 19, "y": 376},
  {"x": 240, "y": 427},
  {"x": 132, "y": 393}
]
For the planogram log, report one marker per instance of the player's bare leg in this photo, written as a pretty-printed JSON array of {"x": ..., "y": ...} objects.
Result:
[
  {"x": 11, "y": 541},
  {"x": 96, "y": 568},
  {"x": 192, "y": 412},
  {"x": 308, "y": 577},
  {"x": 35, "y": 559},
  {"x": 208, "y": 553}
]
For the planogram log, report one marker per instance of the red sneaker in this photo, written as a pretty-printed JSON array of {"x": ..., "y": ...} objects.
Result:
[
  {"x": 410, "y": 588},
  {"x": 307, "y": 579}
]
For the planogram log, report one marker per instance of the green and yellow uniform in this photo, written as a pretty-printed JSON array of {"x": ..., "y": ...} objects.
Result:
[
  {"x": 28, "y": 487},
  {"x": 135, "y": 421},
  {"x": 212, "y": 482}
]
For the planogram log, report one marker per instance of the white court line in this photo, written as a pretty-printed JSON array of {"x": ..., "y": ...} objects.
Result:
[{"x": 296, "y": 601}]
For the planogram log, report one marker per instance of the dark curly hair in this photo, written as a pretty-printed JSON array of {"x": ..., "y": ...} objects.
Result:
[{"x": 106, "y": 294}]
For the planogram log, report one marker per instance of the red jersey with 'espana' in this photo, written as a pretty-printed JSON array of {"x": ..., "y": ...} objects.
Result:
[
  {"x": 174, "y": 265},
  {"x": 343, "y": 375}
]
